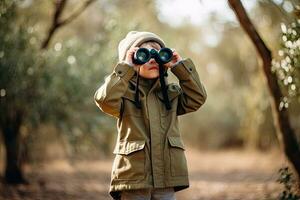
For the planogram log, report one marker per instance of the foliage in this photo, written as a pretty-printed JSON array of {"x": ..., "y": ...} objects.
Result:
[
  {"x": 20, "y": 64},
  {"x": 54, "y": 86},
  {"x": 287, "y": 67},
  {"x": 286, "y": 179}
]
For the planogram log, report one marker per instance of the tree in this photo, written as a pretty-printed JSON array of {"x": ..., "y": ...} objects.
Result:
[
  {"x": 285, "y": 132},
  {"x": 19, "y": 81}
]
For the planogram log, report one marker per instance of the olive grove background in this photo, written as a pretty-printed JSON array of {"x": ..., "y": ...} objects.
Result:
[{"x": 47, "y": 111}]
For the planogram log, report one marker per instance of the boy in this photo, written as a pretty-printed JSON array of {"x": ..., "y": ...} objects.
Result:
[{"x": 149, "y": 154}]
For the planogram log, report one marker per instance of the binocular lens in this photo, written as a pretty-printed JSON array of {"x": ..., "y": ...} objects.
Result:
[
  {"x": 143, "y": 55},
  {"x": 165, "y": 56}
]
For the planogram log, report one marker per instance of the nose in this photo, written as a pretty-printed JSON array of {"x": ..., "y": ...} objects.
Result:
[{"x": 152, "y": 61}]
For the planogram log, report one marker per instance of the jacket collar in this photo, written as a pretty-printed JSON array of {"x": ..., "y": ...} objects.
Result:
[{"x": 145, "y": 84}]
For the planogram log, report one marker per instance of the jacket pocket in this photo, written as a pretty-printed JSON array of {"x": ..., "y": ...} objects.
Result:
[
  {"x": 178, "y": 163},
  {"x": 129, "y": 163}
]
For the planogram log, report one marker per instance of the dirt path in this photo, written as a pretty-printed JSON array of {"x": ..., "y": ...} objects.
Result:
[
  {"x": 233, "y": 175},
  {"x": 228, "y": 175}
]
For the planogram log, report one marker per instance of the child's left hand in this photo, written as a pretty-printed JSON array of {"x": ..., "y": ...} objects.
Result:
[{"x": 176, "y": 58}]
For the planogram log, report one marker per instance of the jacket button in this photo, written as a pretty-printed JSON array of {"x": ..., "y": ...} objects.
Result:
[
  {"x": 119, "y": 72},
  {"x": 190, "y": 69}
]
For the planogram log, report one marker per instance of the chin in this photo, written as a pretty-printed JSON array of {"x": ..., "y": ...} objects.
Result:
[{"x": 150, "y": 76}]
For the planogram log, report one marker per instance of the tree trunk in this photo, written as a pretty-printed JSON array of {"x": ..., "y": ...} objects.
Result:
[
  {"x": 285, "y": 133},
  {"x": 12, "y": 142}
]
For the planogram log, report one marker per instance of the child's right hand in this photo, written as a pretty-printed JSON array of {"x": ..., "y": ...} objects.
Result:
[{"x": 129, "y": 57}]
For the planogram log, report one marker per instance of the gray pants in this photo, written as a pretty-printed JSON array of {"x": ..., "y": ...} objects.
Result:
[{"x": 149, "y": 194}]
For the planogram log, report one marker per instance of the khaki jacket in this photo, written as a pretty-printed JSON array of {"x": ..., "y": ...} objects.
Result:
[{"x": 149, "y": 151}]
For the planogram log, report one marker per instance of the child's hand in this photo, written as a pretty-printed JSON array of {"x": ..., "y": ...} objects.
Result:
[
  {"x": 176, "y": 58},
  {"x": 129, "y": 57}
]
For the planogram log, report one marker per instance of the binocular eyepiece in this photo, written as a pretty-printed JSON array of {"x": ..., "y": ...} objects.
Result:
[{"x": 143, "y": 55}]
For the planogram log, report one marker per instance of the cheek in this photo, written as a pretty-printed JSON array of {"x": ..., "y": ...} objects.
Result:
[{"x": 143, "y": 69}]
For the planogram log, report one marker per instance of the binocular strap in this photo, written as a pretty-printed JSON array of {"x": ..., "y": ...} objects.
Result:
[
  {"x": 164, "y": 87},
  {"x": 136, "y": 95}
]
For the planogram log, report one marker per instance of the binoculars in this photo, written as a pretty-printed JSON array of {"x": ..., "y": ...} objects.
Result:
[{"x": 143, "y": 55}]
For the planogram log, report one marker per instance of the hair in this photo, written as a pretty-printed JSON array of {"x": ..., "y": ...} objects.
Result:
[{"x": 153, "y": 44}]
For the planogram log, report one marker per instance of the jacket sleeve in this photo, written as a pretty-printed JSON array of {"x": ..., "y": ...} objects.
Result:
[
  {"x": 109, "y": 96},
  {"x": 192, "y": 92}
]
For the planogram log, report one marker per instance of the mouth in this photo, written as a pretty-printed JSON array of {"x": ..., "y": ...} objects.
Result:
[{"x": 153, "y": 68}]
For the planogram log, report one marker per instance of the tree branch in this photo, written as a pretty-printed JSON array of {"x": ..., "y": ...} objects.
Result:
[
  {"x": 76, "y": 13},
  {"x": 58, "y": 23}
]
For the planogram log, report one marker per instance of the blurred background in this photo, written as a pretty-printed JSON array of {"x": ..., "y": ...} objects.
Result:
[{"x": 53, "y": 59}]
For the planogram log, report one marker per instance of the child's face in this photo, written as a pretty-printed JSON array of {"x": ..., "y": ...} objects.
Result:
[{"x": 150, "y": 69}]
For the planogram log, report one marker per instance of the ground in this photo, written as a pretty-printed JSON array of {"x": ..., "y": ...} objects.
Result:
[{"x": 221, "y": 175}]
